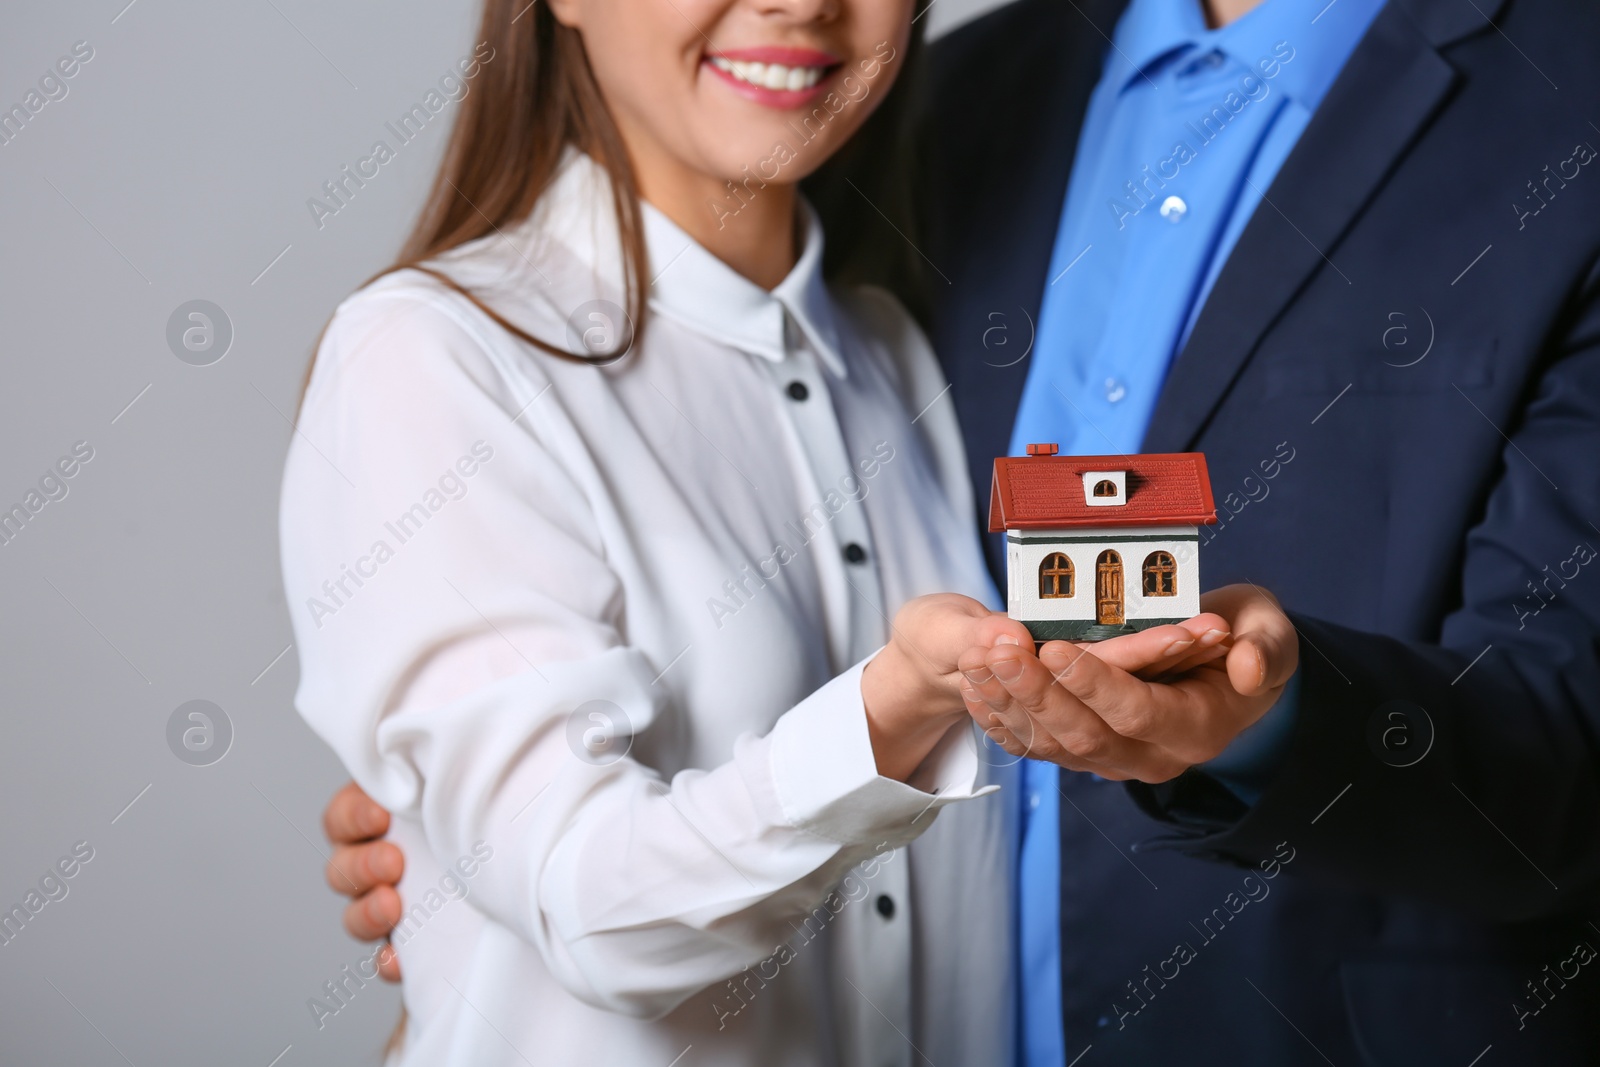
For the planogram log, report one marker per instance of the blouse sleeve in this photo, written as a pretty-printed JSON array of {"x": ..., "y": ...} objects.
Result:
[{"x": 457, "y": 619}]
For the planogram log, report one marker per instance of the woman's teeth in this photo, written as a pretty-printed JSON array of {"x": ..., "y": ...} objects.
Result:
[{"x": 771, "y": 75}]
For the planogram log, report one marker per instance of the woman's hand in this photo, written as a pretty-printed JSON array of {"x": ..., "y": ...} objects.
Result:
[
  {"x": 1146, "y": 706},
  {"x": 912, "y": 689},
  {"x": 365, "y": 868}
]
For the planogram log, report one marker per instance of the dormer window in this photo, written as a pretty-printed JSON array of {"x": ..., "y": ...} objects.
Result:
[{"x": 1103, "y": 489}]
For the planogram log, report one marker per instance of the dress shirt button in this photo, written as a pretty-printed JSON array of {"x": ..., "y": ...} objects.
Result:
[
  {"x": 855, "y": 553},
  {"x": 798, "y": 390},
  {"x": 1115, "y": 390},
  {"x": 1173, "y": 209},
  {"x": 885, "y": 905}
]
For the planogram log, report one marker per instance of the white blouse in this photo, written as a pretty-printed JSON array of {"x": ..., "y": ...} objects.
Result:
[{"x": 589, "y": 633}]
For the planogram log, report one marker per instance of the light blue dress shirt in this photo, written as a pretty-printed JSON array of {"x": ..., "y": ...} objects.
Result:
[{"x": 1183, "y": 135}]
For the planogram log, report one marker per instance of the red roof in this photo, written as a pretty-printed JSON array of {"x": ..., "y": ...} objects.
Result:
[{"x": 1046, "y": 491}]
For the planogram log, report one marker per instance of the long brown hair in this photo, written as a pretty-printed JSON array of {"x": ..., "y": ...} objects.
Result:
[{"x": 537, "y": 96}]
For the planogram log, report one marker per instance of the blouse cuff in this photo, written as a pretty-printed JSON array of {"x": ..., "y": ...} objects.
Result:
[{"x": 826, "y": 781}]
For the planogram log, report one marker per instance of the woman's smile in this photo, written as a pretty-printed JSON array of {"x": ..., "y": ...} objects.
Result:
[{"x": 782, "y": 78}]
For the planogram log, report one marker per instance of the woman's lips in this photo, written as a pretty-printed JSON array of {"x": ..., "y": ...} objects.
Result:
[{"x": 782, "y": 78}]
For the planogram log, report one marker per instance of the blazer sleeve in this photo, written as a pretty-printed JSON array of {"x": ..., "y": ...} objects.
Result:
[
  {"x": 1466, "y": 771},
  {"x": 457, "y": 670}
]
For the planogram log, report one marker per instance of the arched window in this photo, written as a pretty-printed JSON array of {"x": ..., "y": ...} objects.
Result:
[
  {"x": 1105, "y": 487},
  {"x": 1160, "y": 575},
  {"x": 1055, "y": 576}
]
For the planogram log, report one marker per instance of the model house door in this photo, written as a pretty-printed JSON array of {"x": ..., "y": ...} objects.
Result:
[{"x": 1108, "y": 588}]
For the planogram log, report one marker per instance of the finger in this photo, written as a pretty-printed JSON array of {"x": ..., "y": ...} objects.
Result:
[
  {"x": 1272, "y": 646},
  {"x": 1208, "y": 648},
  {"x": 992, "y": 708},
  {"x": 997, "y": 713},
  {"x": 1163, "y": 649},
  {"x": 388, "y": 964},
  {"x": 1260, "y": 661},
  {"x": 352, "y": 816},
  {"x": 1206, "y": 620},
  {"x": 1136, "y": 651},
  {"x": 354, "y": 869},
  {"x": 991, "y": 724},
  {"x": 1021, "y": 735},
  {"x": 1129, "y": 706},
  {"x": 370, "y": 917},
  {"x": 999, "y": 629},
  {"x": 937, "y": 628},
  {"x": 1079, "y": 730}
]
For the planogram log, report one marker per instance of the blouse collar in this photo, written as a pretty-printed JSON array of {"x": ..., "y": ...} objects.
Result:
[{"x": 689, "y": 285}]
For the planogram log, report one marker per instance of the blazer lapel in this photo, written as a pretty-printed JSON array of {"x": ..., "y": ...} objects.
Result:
[{"x": 1393, "y": 84}]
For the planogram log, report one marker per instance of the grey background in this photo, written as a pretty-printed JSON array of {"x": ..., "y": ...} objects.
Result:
[{"x": 177, "y": 168}]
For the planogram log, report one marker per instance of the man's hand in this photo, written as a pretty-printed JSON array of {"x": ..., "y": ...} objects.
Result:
[
  {"x": 1147, "y": 706},
  {"x": 366, "y": 869}
]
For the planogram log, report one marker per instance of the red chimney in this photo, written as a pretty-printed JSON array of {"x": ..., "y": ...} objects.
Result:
[{"x": 1043, "y": 450}]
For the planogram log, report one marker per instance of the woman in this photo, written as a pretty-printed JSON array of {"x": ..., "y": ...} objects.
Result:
[
  {"x": 571, "y": 610},
  {"x": 594, "y": 502}
]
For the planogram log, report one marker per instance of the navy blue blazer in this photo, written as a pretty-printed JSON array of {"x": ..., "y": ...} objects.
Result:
[{"x": 1396, "y": 382}]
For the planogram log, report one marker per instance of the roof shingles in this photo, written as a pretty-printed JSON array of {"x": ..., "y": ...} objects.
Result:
[{"x": 1046, "y": 492}]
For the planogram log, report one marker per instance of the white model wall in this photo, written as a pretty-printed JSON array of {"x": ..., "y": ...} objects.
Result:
[{"x": 1024, "y": 558}]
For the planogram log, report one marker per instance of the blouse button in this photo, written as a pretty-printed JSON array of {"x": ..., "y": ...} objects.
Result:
[
  {"x": 855, "y": 553},
  {"x": 885, "y": 905},
  {"x": 798, "y": 391}
]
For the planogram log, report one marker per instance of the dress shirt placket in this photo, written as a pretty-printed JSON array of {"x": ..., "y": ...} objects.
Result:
[
  {"x": 844, "y": 541},
  {"x": 872, "y": 940}
]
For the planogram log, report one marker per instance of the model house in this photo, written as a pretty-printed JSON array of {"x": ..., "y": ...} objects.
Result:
[{"x": 1098, "y": 546}]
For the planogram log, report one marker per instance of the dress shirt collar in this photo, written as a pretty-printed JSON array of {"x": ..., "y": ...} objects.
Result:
[
  {"x": 691, "y": 286},
  {"x": 1151, "y": 31},
  {"x": 1154, "y": 35}
]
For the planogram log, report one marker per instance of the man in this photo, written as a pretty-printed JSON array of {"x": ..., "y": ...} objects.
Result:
[
  {"x": 1361, "y": 235},
  {"x": 1348, "y": 250}
]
